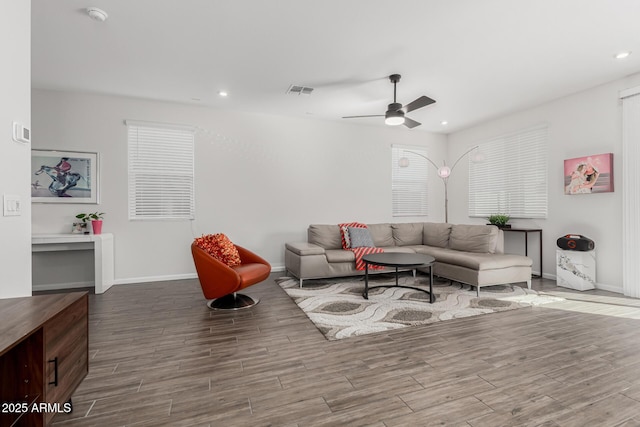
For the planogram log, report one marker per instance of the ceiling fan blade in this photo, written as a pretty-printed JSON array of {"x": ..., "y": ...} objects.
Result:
[
  {"x": 423, "y": 101},
  {"x": 410, "y": 123},
  {"x": 358, "y": 117}
]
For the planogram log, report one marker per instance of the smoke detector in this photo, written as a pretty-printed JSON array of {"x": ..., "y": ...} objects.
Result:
[{"x": 97, "y": 14}]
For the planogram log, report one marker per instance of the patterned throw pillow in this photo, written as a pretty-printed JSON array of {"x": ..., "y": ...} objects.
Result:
[
  {"x": 220, "y": 247},
  {"x": 344, "y": 232},
  {"x": 360, "y": 237}
]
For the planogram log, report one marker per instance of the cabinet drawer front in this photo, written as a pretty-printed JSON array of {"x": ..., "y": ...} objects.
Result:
[
  {"x": 66, "y": 325},
  {"x": 72, "y": 368},
  {"x": 66, "y": 356}
]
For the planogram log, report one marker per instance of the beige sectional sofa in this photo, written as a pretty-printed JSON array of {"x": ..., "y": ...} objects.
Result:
[{"x": 471, "y": 254}]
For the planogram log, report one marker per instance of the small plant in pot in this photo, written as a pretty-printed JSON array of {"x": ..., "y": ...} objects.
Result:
[
  {"x": 500, "y": 220},
  {"x": 96, "y": 221}
]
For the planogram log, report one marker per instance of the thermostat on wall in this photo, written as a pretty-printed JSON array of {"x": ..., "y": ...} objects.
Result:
[{"x": 21, "y": 133}]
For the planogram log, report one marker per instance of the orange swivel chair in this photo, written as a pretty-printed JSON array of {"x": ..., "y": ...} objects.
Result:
[{"x": 220, "y": 283}]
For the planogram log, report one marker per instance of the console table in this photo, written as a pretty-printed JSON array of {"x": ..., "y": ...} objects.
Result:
[
  {"x": 101, "y": 244},
  {"x": 44, "y": 356},
  {"x": 526, "y": 232}
]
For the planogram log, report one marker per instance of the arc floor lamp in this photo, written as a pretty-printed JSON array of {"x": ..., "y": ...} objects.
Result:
[{"x": 444, "y": 172}]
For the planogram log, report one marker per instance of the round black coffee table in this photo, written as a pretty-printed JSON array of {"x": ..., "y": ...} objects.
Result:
[{"x": 398, "y": 260}]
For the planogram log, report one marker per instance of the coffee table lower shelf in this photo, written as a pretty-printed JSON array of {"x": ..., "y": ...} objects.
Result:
[{"x": 398, "y": 260}]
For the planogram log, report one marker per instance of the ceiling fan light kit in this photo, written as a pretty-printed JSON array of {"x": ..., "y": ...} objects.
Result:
[
  {"x": 394, "y": 118},
  {"x": 395, "y": 114}
]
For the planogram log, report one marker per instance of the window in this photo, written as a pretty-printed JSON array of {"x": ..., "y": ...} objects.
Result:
[
  {"x": 409, "y": 183},
  {"x": 161, "y": 171},
  {"x": 513, "y": 177}
]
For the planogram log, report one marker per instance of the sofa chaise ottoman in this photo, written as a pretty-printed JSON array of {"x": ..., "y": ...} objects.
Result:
[{"x": 471, "y": 254}]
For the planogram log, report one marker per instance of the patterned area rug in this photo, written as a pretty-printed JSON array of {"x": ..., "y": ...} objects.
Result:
[{"x": 338, "y": 310}]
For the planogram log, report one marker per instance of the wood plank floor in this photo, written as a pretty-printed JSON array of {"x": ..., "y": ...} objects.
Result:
[{"x": 160, "y": 357}]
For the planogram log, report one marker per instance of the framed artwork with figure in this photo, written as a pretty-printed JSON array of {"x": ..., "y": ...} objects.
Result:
[
  {"x": 64, "y": 177},
  {"x": 591, "y": 174}
]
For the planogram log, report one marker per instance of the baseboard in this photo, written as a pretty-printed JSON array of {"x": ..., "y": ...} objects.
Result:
[
  {"x": 146, "y": 279},
  {"x": 610, "y": 288},
  {"x": 601, "y": 286},
  {"x": 56, "y": 286}
]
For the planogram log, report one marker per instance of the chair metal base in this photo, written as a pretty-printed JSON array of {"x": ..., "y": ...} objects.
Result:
[{"x": 232, "y": 301}]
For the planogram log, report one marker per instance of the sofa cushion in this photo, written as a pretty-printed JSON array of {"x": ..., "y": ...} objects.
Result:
[
  {"x": 398, "y": 249},
  {"x": 474, "y": 238},
  {"x": 381, "y": 234},
  {"x": 340, "y": 255},
  {"x": 474, "y": 260},
  {"x": 409, "y": 233},
  {"x": 436, "y": 234},
  {"x": 360, "y": 237},
  {"x": 324, "y": 235}
]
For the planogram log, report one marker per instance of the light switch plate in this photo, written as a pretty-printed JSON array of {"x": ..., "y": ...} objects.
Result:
[
  {"x": 21, "y": 133},
  {"x": 12, "y": 205}
]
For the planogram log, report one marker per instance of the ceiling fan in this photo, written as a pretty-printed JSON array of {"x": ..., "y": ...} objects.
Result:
[{"x": 395, "y": 114}]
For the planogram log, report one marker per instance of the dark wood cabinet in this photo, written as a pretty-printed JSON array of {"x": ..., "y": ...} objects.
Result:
[{"x": 44, "y": 343}]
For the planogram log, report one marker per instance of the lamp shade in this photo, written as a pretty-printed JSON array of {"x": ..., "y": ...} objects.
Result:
[
  {"x": 444, "y": 171},
  {"x": 403, "y": 162}
]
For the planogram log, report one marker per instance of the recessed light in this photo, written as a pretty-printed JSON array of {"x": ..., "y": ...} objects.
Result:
[
  {"x": 444, "y": 123},
  {"x": 97, "y": 14},
  {"x": 622, "y": 55},
  {"x": 223, "y": 93}
]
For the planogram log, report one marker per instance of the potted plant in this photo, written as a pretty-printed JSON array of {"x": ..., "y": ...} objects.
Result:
[
  {"x": 95, "y": 218},
  {"x": 500, "y": 220}
]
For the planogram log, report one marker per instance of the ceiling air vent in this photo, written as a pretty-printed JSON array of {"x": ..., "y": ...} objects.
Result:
[{"x": 299, "y": 90}]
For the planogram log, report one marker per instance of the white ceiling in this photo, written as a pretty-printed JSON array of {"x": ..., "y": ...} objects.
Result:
[{"x": 478, "y": 59}]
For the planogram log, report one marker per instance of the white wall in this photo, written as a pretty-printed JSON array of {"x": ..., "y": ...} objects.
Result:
[
  {"x": 15, "y": 104},
  {"x": 261, "y": 179},
  {"x": 585, "y": 123}
]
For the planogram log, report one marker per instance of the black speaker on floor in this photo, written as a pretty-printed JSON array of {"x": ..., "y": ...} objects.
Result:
[{"x": 576, "y": 242}]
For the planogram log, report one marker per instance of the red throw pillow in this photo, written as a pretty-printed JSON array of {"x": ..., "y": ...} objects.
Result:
[{"x": 220, "y": 247}]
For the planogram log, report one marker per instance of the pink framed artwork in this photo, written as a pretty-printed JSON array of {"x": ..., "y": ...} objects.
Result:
[{"x": 592, "y": 174}]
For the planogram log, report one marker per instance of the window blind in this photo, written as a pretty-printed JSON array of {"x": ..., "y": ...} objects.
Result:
[
  {"x": 513, "y": 177},
  {"x": 161, "y": 171},
  {"x": 630, "y": 191},
  {"x": 409, "y": 184}
]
